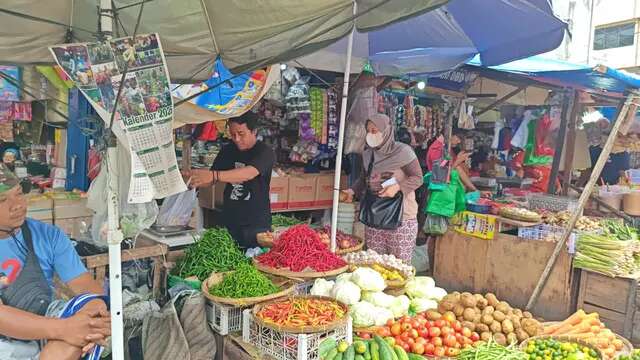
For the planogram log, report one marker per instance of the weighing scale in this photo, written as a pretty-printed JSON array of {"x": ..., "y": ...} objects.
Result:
[{"x": 172, "y": 236}]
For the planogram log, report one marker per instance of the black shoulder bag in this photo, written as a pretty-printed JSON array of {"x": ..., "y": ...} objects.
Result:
[{"x": 380, "y": 212}]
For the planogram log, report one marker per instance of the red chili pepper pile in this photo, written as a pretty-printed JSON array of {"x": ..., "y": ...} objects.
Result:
[
  {"x": 302, "y": 312},
  {"x": 299, "y": 248}
]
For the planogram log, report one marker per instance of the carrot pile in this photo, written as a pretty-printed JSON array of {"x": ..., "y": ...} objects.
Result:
[
  {"x": 300, "y": 249},
  {"x": 302, "y": 312},
  {"x": 588, "y": 328}
]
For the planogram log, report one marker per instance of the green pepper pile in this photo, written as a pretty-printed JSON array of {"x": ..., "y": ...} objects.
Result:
[
  {"x": 245, "y": 282},
  {"x": 550, "y": 349},
  {"x": 215, "y": 251},
  {"x": 284, "y": 221}
]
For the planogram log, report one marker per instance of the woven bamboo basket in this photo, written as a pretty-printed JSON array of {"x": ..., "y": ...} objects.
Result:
[
  {"x": 265, "y": 239},
  {"x": 391, "y": 284},
  {"x": 353, "y": 248},
  {"x": 288, "y": 286},
  {"x": 506, "y": 213},
  {"x": 627, "y": 347},
  {"x": 580, "y": 342},
  {"x": 300, "y": 275},
  {"x": 303, "y": 329}
]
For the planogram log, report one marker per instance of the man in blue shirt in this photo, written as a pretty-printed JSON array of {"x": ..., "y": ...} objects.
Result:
[{"x": 31, "y": 252}]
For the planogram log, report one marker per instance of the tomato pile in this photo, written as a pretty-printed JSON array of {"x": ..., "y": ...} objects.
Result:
[{"x": 444, "y": 337}]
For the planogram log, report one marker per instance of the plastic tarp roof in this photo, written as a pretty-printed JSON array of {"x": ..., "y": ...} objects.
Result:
[
  {"x": 245, "y": 34},
  {"x": 498, "y": 31},
  {"x": 562, "y": 73}
]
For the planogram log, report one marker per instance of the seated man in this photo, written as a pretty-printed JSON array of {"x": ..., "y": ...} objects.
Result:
[{"x": 31, "y": 252}]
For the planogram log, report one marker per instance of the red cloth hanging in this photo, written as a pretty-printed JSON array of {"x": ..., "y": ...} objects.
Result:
[{"x": 208, "y": 132}]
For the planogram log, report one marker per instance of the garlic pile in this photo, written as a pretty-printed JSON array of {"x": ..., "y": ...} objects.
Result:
[{"x": 372, "y": 257}]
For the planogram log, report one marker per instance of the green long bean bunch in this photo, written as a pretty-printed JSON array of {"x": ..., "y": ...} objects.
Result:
[
  {"x": 246, "y": 281},
  {"x": 492, "y": 351},
  {"x": 215, "y": 251}
]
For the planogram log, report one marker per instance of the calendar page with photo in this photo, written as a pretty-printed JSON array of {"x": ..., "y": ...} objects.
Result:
[{"x": 143, "y": 112}]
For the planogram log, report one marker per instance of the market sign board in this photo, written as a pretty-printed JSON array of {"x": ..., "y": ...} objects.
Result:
[
  {"x": 144, "y": 113},
  {"x": 454, "y": 80}
]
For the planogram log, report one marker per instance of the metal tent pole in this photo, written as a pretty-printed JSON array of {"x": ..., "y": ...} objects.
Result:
[
  {"x": 343, "y": 119},
  {"x": 114, "y": 235}
]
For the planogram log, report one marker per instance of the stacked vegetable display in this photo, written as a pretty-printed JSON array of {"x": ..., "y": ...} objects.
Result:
[
  {"x": 302, "y": 311},
  {"x": 362, "y": 290},
  {"x": 614, "y": 253},
  {"x": 245, "y": 282},
  {"x": 561, "y": 219},
  {"x": 215, "y": 251},
  {"x": 489, "y": 317},
  {"x": 364, "y": 349},
  {"x": 588, "y": 328},
  {"x": 553, "y": 349},
  {"x": 372, "y": 257},
  {"x": 343, "y": 241},
  {"x": 299, "y": 249}
]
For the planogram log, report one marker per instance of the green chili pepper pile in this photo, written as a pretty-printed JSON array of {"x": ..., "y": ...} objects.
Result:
[
  {"x": 246, "y": 281},
  {"x": 215, "y": 251},
  {"x": 284, "y": 221}
]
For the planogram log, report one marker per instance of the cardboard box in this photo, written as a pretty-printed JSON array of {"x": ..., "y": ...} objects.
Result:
[
  {"x": 211, "y": 197},
  {"x": 70, "y": 209},
  {"x": 302, "y": 191},
  {"x": 279, "y": 192},
  {"x": 324, "y": 189}
]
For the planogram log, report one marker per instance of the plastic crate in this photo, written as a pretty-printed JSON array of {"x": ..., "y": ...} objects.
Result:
[
  {"x": 288, "y": 346},
  {"x": 224, "y": 319},
  {"x": 551, "y": 202}
]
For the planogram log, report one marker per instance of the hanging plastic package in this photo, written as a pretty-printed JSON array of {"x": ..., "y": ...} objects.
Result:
[
  {"x": 435, "y": 224},
  {"x": 176, "y": 210}
]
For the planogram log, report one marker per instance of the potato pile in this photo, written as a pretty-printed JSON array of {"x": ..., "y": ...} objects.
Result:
[{"x": 490, "y": 317}]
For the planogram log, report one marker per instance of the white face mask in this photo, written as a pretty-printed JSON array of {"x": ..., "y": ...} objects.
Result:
[{"x": 374, "y": 140}]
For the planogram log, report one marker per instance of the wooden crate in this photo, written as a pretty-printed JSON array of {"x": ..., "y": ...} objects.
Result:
[
  {"x": 99, "y": 264},
  {"x": 617, "y": 300}
]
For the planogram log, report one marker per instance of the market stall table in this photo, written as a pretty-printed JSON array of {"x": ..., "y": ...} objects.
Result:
[{"x": 507, "y": 266}]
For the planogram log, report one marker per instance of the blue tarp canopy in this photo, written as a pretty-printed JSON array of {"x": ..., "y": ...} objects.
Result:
[
  {"x": 497, "y": 31},
  {"x": 562, "y": 73}
]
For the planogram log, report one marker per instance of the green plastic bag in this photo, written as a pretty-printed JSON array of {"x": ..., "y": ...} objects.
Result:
[
  {"x": 448, "y": 201},
  {"x": 530, "y": 158}
]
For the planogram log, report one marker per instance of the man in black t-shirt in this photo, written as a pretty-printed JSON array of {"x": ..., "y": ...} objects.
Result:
[{"x": 245, "y": 166}]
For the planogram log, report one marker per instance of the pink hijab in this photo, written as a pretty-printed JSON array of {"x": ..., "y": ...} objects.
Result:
[{"x": 391, "y": 155}]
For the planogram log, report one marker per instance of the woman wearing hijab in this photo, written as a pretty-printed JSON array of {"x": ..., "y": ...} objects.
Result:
[{"x": 395, "y": 164}]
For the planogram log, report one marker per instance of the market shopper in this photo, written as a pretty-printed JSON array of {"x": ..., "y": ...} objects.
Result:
[
  {"x": 458, "y": 157},
  {"x": 395, "y": 163},
  {"x": 245, "y": 166},
  {"x": 31, "y": 253}
]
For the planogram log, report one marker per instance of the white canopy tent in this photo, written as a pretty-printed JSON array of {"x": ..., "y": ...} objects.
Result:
[{"x": 244, "y": 34}]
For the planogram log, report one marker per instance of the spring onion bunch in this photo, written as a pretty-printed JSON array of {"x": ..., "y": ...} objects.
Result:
[{"x": 607, "y": 254}]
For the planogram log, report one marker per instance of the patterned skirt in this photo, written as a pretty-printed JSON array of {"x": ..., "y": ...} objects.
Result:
[{"x": 399, "y": 242}]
